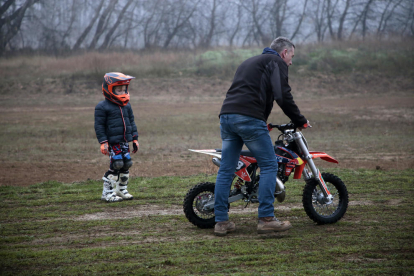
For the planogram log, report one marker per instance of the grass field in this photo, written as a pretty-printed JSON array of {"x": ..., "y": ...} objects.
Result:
[
  {"x": 64, "y": 229},
  {"x": 359, "y": 99}
]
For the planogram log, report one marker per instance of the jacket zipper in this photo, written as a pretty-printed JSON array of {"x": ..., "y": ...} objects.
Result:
[{"x": 122, "y": 115}]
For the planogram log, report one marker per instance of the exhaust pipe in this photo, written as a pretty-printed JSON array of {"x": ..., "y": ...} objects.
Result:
[
  {"x": 216, "y": 161},
  {"x": 280, "y": 193}
]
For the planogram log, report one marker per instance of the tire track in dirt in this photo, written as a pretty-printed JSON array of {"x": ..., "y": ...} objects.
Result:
[{"x": 156, "y": 210}]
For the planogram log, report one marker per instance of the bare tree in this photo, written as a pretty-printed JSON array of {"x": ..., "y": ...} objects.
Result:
[
  {"x": 318, "y": 16},
  {"x": 339, "y": 35},
  {"x": 112, "y": 30},
  {"x": 404, "y": 20},
  {"x": 152, "y": 13},
  {"x": 211, "y": 18},
  {"x": 55, "y": 25},
  {"x": 82, "y": 37},
  {"x": 180, "y": 13},
  {"x": 330, "y": 11},
  {"x": 302, "y": 16},
  {"x": 232, "y": 31},
  {"x": 103, "y": 21},
  {"x": 386, "y": 15},
  {"x": 66, "y": 34},
  {"x": 278, "y": 15},
  {"x": 362, "y": 17},
  {"x": 11, "y": 20},
  {"x": 258, "y": 16},
  {"x": 336, "y": 17}
]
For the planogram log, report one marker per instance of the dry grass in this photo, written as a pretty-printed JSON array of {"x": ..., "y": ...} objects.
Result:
[
  {"x": 370, "y": 57},
  {"x": 86, "y": 63}
]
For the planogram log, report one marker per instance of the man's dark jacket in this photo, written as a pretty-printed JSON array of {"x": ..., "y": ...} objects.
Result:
[
  {"x": 258, "y": 82},
  {"x": 114, "y": 123}
]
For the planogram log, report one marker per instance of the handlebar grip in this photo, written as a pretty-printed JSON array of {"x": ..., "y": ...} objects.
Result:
[{"x": 282, "y": 127}]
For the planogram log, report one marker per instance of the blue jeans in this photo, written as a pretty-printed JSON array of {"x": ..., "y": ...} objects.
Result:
[{"x": 237, "y": 130}]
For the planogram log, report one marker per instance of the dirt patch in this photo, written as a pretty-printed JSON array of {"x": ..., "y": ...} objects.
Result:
[
  {"x": 58, "y": 123},
  {"x": 152, "y": 210},
  {"x": 25, "y": 174}
]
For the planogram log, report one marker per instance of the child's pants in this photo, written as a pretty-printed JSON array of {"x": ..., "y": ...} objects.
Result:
[{"x": 120, "y": 159}]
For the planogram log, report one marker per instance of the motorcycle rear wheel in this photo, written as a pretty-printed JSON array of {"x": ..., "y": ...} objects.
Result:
[
  {"x": 320, "y": 212},
  {"x": 193, "y": 203}
]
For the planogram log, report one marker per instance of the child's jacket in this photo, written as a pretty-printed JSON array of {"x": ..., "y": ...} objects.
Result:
[{"x": 114, "y": 123}]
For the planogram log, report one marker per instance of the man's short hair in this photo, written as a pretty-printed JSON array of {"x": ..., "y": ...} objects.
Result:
[{"x": 281, "y": 43}]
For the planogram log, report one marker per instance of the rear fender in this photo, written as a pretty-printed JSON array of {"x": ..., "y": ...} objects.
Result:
[
  {"x": 241, "y": 170},
  {"x": 211, "y": 152}
]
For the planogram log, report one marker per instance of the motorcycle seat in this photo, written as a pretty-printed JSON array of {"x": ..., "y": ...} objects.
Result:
[{"x": 243, "y": 152}]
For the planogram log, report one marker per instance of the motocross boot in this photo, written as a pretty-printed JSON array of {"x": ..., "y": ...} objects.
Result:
[
  {"x": 272, "y": 224},
  {"x": 108, "y": 193},
  {"x": 121, "y": 187},
  {"x": 223, "y": 227}
]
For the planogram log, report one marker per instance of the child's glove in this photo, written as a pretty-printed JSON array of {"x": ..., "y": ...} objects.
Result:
[
  {"x": 104, "y": 148},
  {"x": 135, "y": 145}
]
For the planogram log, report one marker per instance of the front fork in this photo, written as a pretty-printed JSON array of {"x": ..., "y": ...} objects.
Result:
[{"x": 297, "y": 136}]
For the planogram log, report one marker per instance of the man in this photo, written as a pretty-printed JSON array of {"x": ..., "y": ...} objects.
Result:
[{"x": 258, "y": 82}]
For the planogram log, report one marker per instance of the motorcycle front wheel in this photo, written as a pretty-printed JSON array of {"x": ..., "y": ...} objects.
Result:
[
  {"x": 316, "y": 207},
  {"x": 194, "y": 202}
]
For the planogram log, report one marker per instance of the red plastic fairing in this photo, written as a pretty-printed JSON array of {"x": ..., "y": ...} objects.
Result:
[
  {"x": 323, "y": 156},
  {"x": 242, "y": 172},
  {"x": 249, "y": 159},
  {"x": 299, "y": 170},
  {"x": 315, "y": 154}
]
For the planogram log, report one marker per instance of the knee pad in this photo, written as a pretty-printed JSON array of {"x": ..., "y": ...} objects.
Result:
[
  {"x": 127, "y": 162},
  {"x": 118, "y": 164}
]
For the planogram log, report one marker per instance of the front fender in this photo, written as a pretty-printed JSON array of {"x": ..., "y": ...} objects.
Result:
[
  {"x": 323, "y": 156},
  {"x": 315, "y": 154}
]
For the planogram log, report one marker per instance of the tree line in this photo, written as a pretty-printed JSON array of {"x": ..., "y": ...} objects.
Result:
[{"x": 71, "y": 25}]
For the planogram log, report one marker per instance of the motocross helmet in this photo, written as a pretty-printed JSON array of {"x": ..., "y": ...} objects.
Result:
[{"x": 113, "y": 79}]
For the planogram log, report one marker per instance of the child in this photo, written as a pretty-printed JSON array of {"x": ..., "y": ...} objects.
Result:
[{"x": 114, "y": 128}]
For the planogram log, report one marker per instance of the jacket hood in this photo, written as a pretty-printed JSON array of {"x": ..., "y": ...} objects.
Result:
[{"x": 268, "y": 50}]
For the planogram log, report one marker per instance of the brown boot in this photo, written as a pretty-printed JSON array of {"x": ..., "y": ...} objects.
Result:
[
  {"x": 223, "y": 227},
  {"x": 272, "y": 224}
]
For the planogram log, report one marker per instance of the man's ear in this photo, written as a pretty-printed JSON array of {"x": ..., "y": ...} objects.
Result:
[{"x": 284, "y": 52}]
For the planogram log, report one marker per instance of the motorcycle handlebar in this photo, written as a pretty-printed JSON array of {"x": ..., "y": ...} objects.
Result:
[{"x": 283, "y": 127}]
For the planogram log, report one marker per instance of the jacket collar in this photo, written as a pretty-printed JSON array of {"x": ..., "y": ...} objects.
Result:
[{"x": 268, "y": 50}]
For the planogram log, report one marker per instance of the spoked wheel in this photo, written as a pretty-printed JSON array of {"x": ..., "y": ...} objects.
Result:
[
  {"x": 194, "y": 203},
  {"x": 314, "y": 203}
]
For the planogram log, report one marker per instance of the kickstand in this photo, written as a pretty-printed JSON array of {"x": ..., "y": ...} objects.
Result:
[{"x": 247, "y": 203}]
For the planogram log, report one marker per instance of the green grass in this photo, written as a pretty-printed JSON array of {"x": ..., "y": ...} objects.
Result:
[{"x": 45, "y": 230}]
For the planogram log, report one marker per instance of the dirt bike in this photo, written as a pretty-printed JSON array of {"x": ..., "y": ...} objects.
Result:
[{"x": 324, "y": 198}]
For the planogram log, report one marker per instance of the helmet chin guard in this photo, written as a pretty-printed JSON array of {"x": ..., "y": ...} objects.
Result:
[{"x": 113, "y": 79}]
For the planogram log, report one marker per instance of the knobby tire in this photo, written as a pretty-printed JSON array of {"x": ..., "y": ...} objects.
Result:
[
  {"x": 189, "y": 208},
  {"x": 309, "y": 201}
]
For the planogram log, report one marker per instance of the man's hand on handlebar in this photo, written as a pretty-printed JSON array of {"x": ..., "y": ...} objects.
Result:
[
  {"x": 305, "y": 126},
  {"x": 269, "y": 127}
]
